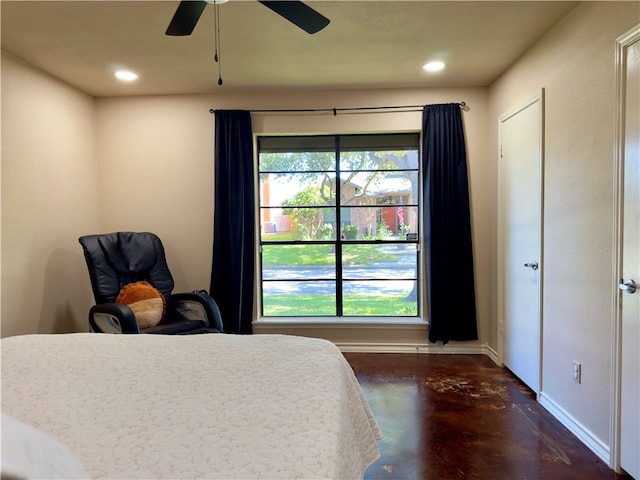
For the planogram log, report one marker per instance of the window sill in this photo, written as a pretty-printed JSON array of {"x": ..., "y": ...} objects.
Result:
[
  {"x": 364, "y": 334},
  {"x": 332, "y": 322}
]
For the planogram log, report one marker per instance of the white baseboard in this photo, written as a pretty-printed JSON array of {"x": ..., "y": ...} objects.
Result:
[
  {"x": 492, "y": 354},
  {"x": 449, "y": 348},
  {"x": 376, "y": 348},
  {"x": 596, "y": 445}
]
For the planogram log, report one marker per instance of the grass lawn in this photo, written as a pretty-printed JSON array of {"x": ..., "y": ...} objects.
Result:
[
  {"x": 315, "y": 254},
  {"x": 354, "y": 305}
]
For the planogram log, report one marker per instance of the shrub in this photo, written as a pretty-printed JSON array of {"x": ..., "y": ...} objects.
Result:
[
  {"x": 382, "y": 231},
  {"x": 350, "y": 232},
  {"x": 326, "y": 231}
]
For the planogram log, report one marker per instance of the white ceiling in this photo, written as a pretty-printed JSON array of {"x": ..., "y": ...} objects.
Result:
[{"x": 368, "y": 44}]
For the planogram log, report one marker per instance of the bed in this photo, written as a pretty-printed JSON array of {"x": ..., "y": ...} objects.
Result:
[{"x": 198, "y": 406}]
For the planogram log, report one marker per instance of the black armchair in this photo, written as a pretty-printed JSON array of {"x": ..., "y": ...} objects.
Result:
[{"x": 117, "y": 259}]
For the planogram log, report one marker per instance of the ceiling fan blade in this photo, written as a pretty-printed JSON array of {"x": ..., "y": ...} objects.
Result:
[
  {"x": 186, "y": 17},
  {"x": 299, "y": 14}
]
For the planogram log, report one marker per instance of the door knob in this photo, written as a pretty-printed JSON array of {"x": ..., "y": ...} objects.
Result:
[
  {"x": 628, "y": 286},
  {"x": 532, "y": 265}
]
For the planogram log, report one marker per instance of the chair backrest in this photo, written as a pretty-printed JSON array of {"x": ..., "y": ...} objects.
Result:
[{"x": 116, "y": 259}]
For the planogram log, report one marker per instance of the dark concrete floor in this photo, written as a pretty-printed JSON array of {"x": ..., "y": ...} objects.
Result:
[{"x": 450, "y": 417}]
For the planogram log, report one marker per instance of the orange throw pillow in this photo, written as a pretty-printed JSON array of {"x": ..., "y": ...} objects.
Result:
[{"x": 146, "y": 302}]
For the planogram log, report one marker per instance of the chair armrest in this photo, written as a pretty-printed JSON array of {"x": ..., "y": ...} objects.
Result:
[
  {"x": 195, "y": 305},
  {"x": 112, "y": 318}
]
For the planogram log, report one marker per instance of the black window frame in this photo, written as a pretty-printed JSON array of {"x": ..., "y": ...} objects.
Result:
[{"x": 338, "y": 242}]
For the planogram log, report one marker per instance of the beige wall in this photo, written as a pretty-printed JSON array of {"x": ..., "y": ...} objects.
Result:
[
  {"x": 156, "y": 174},
  {"x": 575, "y": 65},
  {"x": 49, "y": 199}
]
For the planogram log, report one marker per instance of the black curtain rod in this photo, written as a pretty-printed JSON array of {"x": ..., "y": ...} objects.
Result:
[{"x": 336, "y": 110}]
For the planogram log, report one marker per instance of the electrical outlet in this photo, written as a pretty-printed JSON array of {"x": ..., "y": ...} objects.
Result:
[{"x": 577, "y": 371}]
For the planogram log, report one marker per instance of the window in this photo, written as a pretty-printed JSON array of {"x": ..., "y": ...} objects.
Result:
[{"x": 339, "y": 218}]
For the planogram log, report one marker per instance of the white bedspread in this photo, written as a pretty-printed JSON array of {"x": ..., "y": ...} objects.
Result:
[{"x": 200, "y": 406}]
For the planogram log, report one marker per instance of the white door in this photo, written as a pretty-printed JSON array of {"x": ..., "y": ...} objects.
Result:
[
  {"x": 630, "y": 299},
  {"x": 520, "y": 225}
]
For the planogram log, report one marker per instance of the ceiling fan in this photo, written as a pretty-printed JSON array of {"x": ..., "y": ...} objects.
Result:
[{"x": 298, "y": 13}]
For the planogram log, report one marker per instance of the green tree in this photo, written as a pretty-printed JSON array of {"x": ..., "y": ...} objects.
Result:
[
  {"x": 308, "y": 164},
  {"x": 307, "y": 221},
  {"x": 317, "y": 171}
]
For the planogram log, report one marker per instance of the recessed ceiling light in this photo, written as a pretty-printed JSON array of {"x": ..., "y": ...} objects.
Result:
[
  {"x": 434, "y": 66},
  {"x": 126, "y": 75}
]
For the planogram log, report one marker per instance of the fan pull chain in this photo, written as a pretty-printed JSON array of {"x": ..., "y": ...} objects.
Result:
[{"x": 216, "y": 28}]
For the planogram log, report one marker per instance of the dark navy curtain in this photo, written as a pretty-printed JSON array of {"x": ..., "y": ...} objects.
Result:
[
  {"x": 232, "y": 273},
  {"x": 447, "y": 223}
]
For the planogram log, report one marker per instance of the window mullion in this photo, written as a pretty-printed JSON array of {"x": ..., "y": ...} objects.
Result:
[{"x": 338, "y": 249}]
